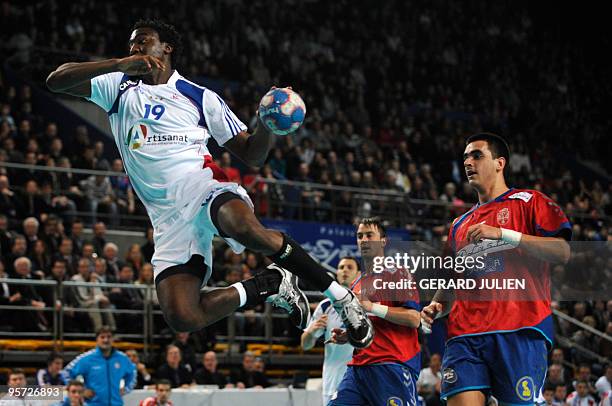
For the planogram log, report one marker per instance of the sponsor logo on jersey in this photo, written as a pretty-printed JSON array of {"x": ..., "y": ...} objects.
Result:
[
  {"x": 524, "y": 196},
  {"x": 395, "y": 401},
  {"x": 525, "y": 388},
  {"x": 503, "y": 216},
  {"x": 140, "y": 134},
  {"x": 449, "y": 375},
  {"x": 137, "y": 136},
  {"x": 126, "y": 84}
]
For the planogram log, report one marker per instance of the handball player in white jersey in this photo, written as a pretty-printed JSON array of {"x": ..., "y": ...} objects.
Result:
[{"x": 161, "y": 123}]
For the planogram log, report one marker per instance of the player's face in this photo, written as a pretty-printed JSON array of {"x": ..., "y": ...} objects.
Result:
[
  {"x": 369, "y": 240},
  {"x": 145, "y": 41},
  {"x": 480, "y": 166},
  {"x": 347, "y": 271},
  {"x": 162, "y": 392}
]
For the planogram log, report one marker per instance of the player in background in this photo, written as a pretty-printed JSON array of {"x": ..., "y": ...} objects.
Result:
[
  {"x": 386, "y": 372},
  {"x": 161, "y": 123},
  {"x": 163, "y": 388},
  {"x": 499, "y": 347},
  {"x": 324, "y": 320}
]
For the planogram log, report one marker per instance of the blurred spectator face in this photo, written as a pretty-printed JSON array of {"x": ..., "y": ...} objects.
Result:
[
  {"x": 133, "y": 356},
  {"x": 30, "y": 227},
  {"x": 251, "y": 260},
  {"x": 233, "y": 275},
  {"x": 548, "y": 396},
  {"x": 65, "y": 247},
  {"x": 23, "y": 266},
  {"x": 100, "y": 229},
  {"x": 4, "y": 182},
  {"x": 584, "y": 373},
  {"x": 19, "y": 246},
  {"x": 75, "y": 394},
  {"x": 182, "y": 337},
  {"x": 126, "y": 274},
  {"x": 347, "y": 271},
  {"x": 117, "y": 165},
  {"x": 55, "y": 366},
  {"x": 555, "y": 373},
  {"x": 247, "y": 361},
  {"x": 303, "y": 170},
  {"x": 226, "y": 160},
  {"x": 30, "y": 158},
  {"x": 134, "y": 253},
  {"x": 25, "y": 127},
  {"x": 16, "y": 380},
  {"x": 88, "y": 250},
  {"x": 173, "y": 356},
  {"x": 58, "y": 270},
  {"x": 579, "y": 310},
  {"x": 146, "y": 273},
  {"x": 83, "y": 268},
  {"x": 557, "y": 356},
  {"x": 100, "y": 266},
  {"x": 3, "y": 223},
  {"x": 210, "y": 361},
  {"x": 110, "y": 252},
  {"x": 39, "y": 247},
  {"x": 259, "y": 365},
  {"x": 56, "y": 146},
  {"x": 560, "y": 392},
  {"x": 99, "y": 148},
  {"x": 162, "y": 392},
  {"x": 609, "y": 373},
  {"x": 582, "y": 389},
  {"x": 435, "y": 362},
  {"x": 149, "y": 234},
  {"x": 31, "y": 187},
  {"x": 104, "y": 340},
  {"x": 51, "y": 130},
  {"x": 77, "y": 229},
  {"x": 608, "y": 305}
]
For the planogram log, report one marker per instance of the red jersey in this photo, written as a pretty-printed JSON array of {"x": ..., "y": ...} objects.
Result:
[
  {"x": 392, "y": 343},
  {"x": 501, "y": 309},
  {"x": 152, "y": 401}
]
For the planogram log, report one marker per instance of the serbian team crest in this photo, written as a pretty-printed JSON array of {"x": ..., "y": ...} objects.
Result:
[
  {"x": 137, "y": 136},
  {"x": 503, "y": 216}
]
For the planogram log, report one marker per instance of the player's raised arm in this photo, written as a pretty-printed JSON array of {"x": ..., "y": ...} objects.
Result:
[
  {"x": 74, "y": 78},
  {"x": 252, "y": 149}
]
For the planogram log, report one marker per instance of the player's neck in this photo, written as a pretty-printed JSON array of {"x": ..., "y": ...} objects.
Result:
[
  {"x": 491, "y": 192},
  {"x": 158, "y": 77}
]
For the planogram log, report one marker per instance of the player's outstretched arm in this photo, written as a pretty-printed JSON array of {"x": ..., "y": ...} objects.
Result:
[
  {"x": 252, "y": 149},
  {"x": 74, "y": 77}
]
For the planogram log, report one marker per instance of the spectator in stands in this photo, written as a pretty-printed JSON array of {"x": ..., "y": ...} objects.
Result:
[
  {"x": 99, "y": 193},
  {"x": 145, "y": 278},
  {"x": 16, "y": 379},
  {"x": 18, "y": 250},
  {"x": 144, "y": 377},
  {"x": 604, "y": 383},
  {"x": 5, "y": 234},
  {"x": 558, "y": 358},
  {"x": 208, "y": 374},
  {"x": 188, "y": 353},
  {"x": 102, "y": 370},
  {"x": 31, "y": 320},
  {"x": 548, "y": 393},
  {"x": 41, "y": 260},
  {"x": 134, "y": 258},
  {"x": 75, "y": 397},
  {"x": 76, "y": 234},
  {"x": 52, "y": 375},
  {"x": 149, "y": 247},
  {"x": 8, "y": 198},
  {"x": 110, "y": 254},
  {"x": 233, "y": 174},
  {"x": 7, "y": 322},
  {"x": 91, "y": 297},
  {"x": 174, "y": 370},
  {"x": 29, "y": 203},
  {"x": 247, "y": 377},
  {"x": 560, "y": 395},
  {"x": 65, "y": 253},
  {"x": 163, "y": 389},
  {"x": 554, "y": 376},
  {"x": 584, "y": 375},
  {"x": 127, "y": 298},
  {"x": 581, "y": 396},
  {"x": 53, "y": 232},
  {"x": 30, "y": 232},
  {"x": 99, "y": 236},
  {"x": 430, "y": 379},
  {"x": 101, "y": 270}
]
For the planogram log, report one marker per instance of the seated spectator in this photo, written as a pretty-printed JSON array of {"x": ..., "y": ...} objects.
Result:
[
  {"x": 134, "y": 258},
  {"x": 110, "y": 254},
  {"x": 430, "y": 380},
  {"x": 76, "y": 394},
  {"x": 65, "y": 253},
  {"x": 145, "y": 278},
  {"x": 30, "y": 232},
  {"x": 76, "y": 234},
  {"x": 101, "y": 270},
  {"x": 99, "y": 194},
  {"x": 560, "y": 395},
  {"x": 554, "y": 376},
  {"x": 174, "y": 370},
  {"x": 604, "y": 383},
  {"x": 581, "y": 396},
  {"x": 144, "y": 377},
  {"x": 182, "y": 341},
  {"x": 99, "y": 237},
  {"x": 91, "y": 297},
  {"x": 163, "y": 389},
  {"x": 558, "y": 358},
  {"x": 6, "y": 298},
  {"x": 584, "y": 375},
  {"x": 127, "y": 298},
  {"x": 17, "y": 379},
  {"x": 52, "y": 375},
  {"x": 19, "y": 249},
  {"x": 30, "y": 320},
  {"x": 208, "y": 374},
  {"x": 246, "y": 376},
  {"x": 41, "y": 260},
  {"x": 149, "y": 247}
]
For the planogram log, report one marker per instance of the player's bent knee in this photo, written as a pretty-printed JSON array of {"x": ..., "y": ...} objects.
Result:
[{"x": 182, "y": 320}]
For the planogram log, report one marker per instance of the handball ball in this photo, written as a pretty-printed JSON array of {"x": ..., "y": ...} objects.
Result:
[{"x": 282, "y": 111}]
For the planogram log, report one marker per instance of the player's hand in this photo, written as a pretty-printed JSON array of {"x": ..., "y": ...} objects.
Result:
[
  {"x": 339, "y": 336},
  {"x": 140, "y": 64},
  {"x": 428, "y": 315},
  {"x": 320, "y": 323},
  {"x": 366, "y": 304},
  {"x": 479, "y": 232},
  {"x": 88, "y": 393}
]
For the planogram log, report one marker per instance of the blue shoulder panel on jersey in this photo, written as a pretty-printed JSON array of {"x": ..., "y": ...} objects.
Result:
[
  {"x": 195, "y": 94},
  {"x": 124, "y": 86},
  {"x": 325, "y": 305}
]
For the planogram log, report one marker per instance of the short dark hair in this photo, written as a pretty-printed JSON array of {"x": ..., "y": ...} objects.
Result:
[
  {"x": 352, "y": 259},
  {"x": 75, "y": 382},
  {"x": 497, "y": 145},
  {"x": 167, "y": 33},
  {"x": 52, "y": 357},
  {"x": 163, "y": 382},
  {"x": 104, "y": 329},
  {"x": 376, "y": 222},
  {"x": 17, "y": 371},
  {"x": 548, "y": 386}
]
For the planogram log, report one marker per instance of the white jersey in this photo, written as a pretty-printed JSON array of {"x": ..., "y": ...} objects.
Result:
[
  {"x": 161, "y": 132},
  {"x": 336, "y": 355}
]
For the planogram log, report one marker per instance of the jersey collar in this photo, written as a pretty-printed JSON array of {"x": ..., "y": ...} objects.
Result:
[{"x": 173, "y": 78}]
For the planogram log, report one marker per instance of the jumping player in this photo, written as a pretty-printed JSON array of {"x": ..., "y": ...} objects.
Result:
[
  {"x": 386, "y": 372},
  {"x": 324, "y": 321},
  {"x": 499, "y": 346},
  {"x": 161, "y": 123}
]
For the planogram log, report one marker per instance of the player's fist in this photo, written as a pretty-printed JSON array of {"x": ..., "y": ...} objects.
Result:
[
  {"x": 339, "y": 336},
  {"x": 320, "y": 323},
  {"x": 140, "y": 64},
  {"x": 479, "y": 232},
  {"x": 429, "y": 314}
]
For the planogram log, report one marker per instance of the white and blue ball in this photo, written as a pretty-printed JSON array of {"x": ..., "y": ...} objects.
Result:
[{"x": 282, "y": 111}]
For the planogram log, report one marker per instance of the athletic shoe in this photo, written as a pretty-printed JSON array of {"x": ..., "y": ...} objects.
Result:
[
  {"x": 359, "y": 327},
  {"x": 291, "y": 298}
]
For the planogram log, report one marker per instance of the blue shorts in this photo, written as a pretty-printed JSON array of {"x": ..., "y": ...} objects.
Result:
[
  {"x": 382, "y": 384},
  {"x": 510, "y": 366}
]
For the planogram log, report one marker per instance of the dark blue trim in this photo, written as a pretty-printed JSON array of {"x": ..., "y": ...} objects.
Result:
[
  {"x": 444, "y": 396},
  {"x": 325, "y": 304},
  {"x": 195, "y": 94},
  {"x": 411, "y": 304},
  {"x": 115, "y": 108},
  {"x": 545, "y": 233}
]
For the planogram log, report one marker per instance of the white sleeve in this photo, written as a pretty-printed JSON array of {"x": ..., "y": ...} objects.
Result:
[
  {"x": 104, "y": 89},
  {"x": 222, "y": 123},
  {"x": 316, "y": 316}
]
